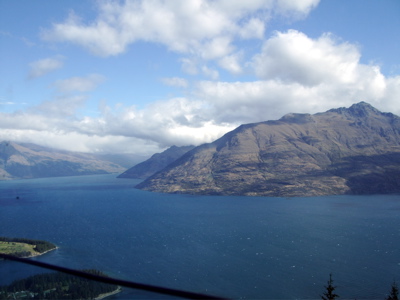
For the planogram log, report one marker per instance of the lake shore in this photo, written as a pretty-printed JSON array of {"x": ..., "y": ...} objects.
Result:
[
  {"x": 39, "y": 253},
  {"x": 105, "y": 295}
]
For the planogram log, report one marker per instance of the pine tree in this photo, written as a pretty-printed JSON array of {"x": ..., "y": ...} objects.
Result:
[
  {"x": 330, "y": 288},
  {"x": 394, "y": 293}
]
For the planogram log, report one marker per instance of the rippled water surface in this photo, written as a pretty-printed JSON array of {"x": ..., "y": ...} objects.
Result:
[{"x": 238, "y": 247}]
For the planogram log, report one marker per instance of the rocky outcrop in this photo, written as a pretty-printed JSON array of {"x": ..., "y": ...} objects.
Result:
[
  {"x": 22, "y": 160},
  {"x": 352, "y": 150},
  {"x": 155, "y": 163}
]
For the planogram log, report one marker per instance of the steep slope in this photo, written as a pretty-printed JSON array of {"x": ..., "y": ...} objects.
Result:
[
  {"x": 352, "y": 150},
  {"x": 22, "y": 160},
  {"x": 155, "y": 163}
]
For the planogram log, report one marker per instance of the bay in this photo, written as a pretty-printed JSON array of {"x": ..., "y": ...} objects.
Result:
[{"x": 236, "y": 247}]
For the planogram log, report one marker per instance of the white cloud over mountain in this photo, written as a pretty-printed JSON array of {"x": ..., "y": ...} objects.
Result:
[{"x": 289, "y": 72}]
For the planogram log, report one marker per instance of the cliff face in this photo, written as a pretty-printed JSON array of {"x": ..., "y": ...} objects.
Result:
[
  {"x": 155, "y": 163},
  {"x": 18, "y": 160},
  {"x": 352, "y": 150}
]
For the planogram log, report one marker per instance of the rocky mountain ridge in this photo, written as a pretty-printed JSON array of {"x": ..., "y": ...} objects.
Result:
[
  {"x": 24, "y": 160},
  {"x": 155, "y": 163},
  {"x": 353, "y": 150}
]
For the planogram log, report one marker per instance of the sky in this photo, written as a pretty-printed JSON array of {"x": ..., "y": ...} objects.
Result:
[{"x": 138, "y": 76}]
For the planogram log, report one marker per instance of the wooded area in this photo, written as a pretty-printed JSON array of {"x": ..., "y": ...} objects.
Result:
[{"x": 56, "y": 286}]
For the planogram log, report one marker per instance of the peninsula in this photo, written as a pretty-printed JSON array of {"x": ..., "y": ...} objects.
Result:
[{"x": 21, "y": 247}]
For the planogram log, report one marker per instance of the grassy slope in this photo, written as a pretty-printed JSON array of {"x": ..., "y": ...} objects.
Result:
[{"x": 12, "y": 248}]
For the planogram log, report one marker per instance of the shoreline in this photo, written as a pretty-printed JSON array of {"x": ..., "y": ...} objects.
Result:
[
  {"x": 40, "y": 253},
  {"x": 105, "y": 295}
]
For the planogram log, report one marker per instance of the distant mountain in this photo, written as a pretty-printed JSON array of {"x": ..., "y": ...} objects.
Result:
[
  {"x": 352, "y": 150},
  {"x": 23, "y": 160},
  {"x": 125, "y": 160},
  {"x": 155, "y": 163}
]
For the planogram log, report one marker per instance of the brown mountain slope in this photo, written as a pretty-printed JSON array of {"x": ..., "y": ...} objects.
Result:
[
  {"x": 22, "y": 160},
  {"x": 155, "y": 163},
  {"x": 352, "y": 150}
]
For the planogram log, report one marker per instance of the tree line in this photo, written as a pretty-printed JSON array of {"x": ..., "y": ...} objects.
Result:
[
  {"x": 64, "y": 286},
  {"x": 56, "y": 286},
  {"x": 330, "y": 291}
]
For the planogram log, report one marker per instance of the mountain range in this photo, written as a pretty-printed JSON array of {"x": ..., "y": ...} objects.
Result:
[
  {"x": 24, "y": 160},
  {"x": 353, "y": 150},
  {"x": 155, "y": 163}
]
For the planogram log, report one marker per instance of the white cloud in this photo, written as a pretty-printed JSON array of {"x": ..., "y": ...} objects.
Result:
[
  {"x": 213, "y": 109},
  {"x": 296, "y": 74},
  {"x": 75, "y": 141},
  {"x": 205, "y": 29},
  {"x": 189, "y": 66},
  {"x": 294, "y": 57},
  {"x": 231, "y": 63},
  {"x": 175, "y": 81},
  {"x": 253, "y": 28},
  {"x": 216, "y": 48},
  {"x": 210, "y": 72},
  {"x": 62, "y": 106},
  {"x": 79, "y": 84},
  {"x": 300, "y": 74},
  {"x": 42, "y": 67},
  {"x": 176, "y": 121},
  {"x": 296, "y": 9}
]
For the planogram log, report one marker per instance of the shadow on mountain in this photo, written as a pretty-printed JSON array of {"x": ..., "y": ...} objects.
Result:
[{"x": 375, "y": 174}]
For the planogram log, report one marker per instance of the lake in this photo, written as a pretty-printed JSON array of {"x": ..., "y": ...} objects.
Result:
[{"x": 236, "y": 247}]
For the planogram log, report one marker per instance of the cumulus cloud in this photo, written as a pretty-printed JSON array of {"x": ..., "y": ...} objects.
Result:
[
  {"x": 42, "y": 67},
  {"x": 231, "y": 63},
  {"x": 301, "y": 74},
  {"x": 79, "y": 84},
  {"x": 177, "y": 121},
  {"x": 201, "y": 28},
  {"x": 296, "y": 73},
  {"x": 294, "y": 57}
]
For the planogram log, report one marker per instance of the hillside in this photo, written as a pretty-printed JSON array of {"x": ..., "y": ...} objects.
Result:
[
  {"x": 22, "y": 160},
  {"x": 352, "y": 150},
  {"x": 155, "y": 163}
]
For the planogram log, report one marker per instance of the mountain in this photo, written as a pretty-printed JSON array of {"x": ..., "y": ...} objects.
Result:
[
  {"x": 352, "y": 150},
  {"x": 155, "y": 163},
  {"x": 24, "y": 160}
]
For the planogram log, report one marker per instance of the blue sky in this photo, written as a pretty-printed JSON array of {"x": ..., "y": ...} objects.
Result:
[{"x": 139, "y": 76}]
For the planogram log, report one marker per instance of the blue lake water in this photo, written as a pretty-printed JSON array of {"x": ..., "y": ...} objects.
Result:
[{"x": 237, "y": 247}]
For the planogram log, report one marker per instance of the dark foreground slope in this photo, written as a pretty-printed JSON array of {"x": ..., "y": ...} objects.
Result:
[
  {"x": 352, "y": 150},
  {"x": 19, "y": 160},
  {"x": 155, "y": 163}
]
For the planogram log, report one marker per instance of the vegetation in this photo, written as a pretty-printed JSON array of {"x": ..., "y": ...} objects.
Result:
[
  {"x": 22, "y": 247},
  {"x": 394, "y": 292},
  {"x": 329, "y": 294},
  {"x": 57, "y": 286}
]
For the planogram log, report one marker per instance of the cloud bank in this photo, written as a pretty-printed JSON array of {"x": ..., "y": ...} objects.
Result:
[{"x": 293, "y": 73}]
